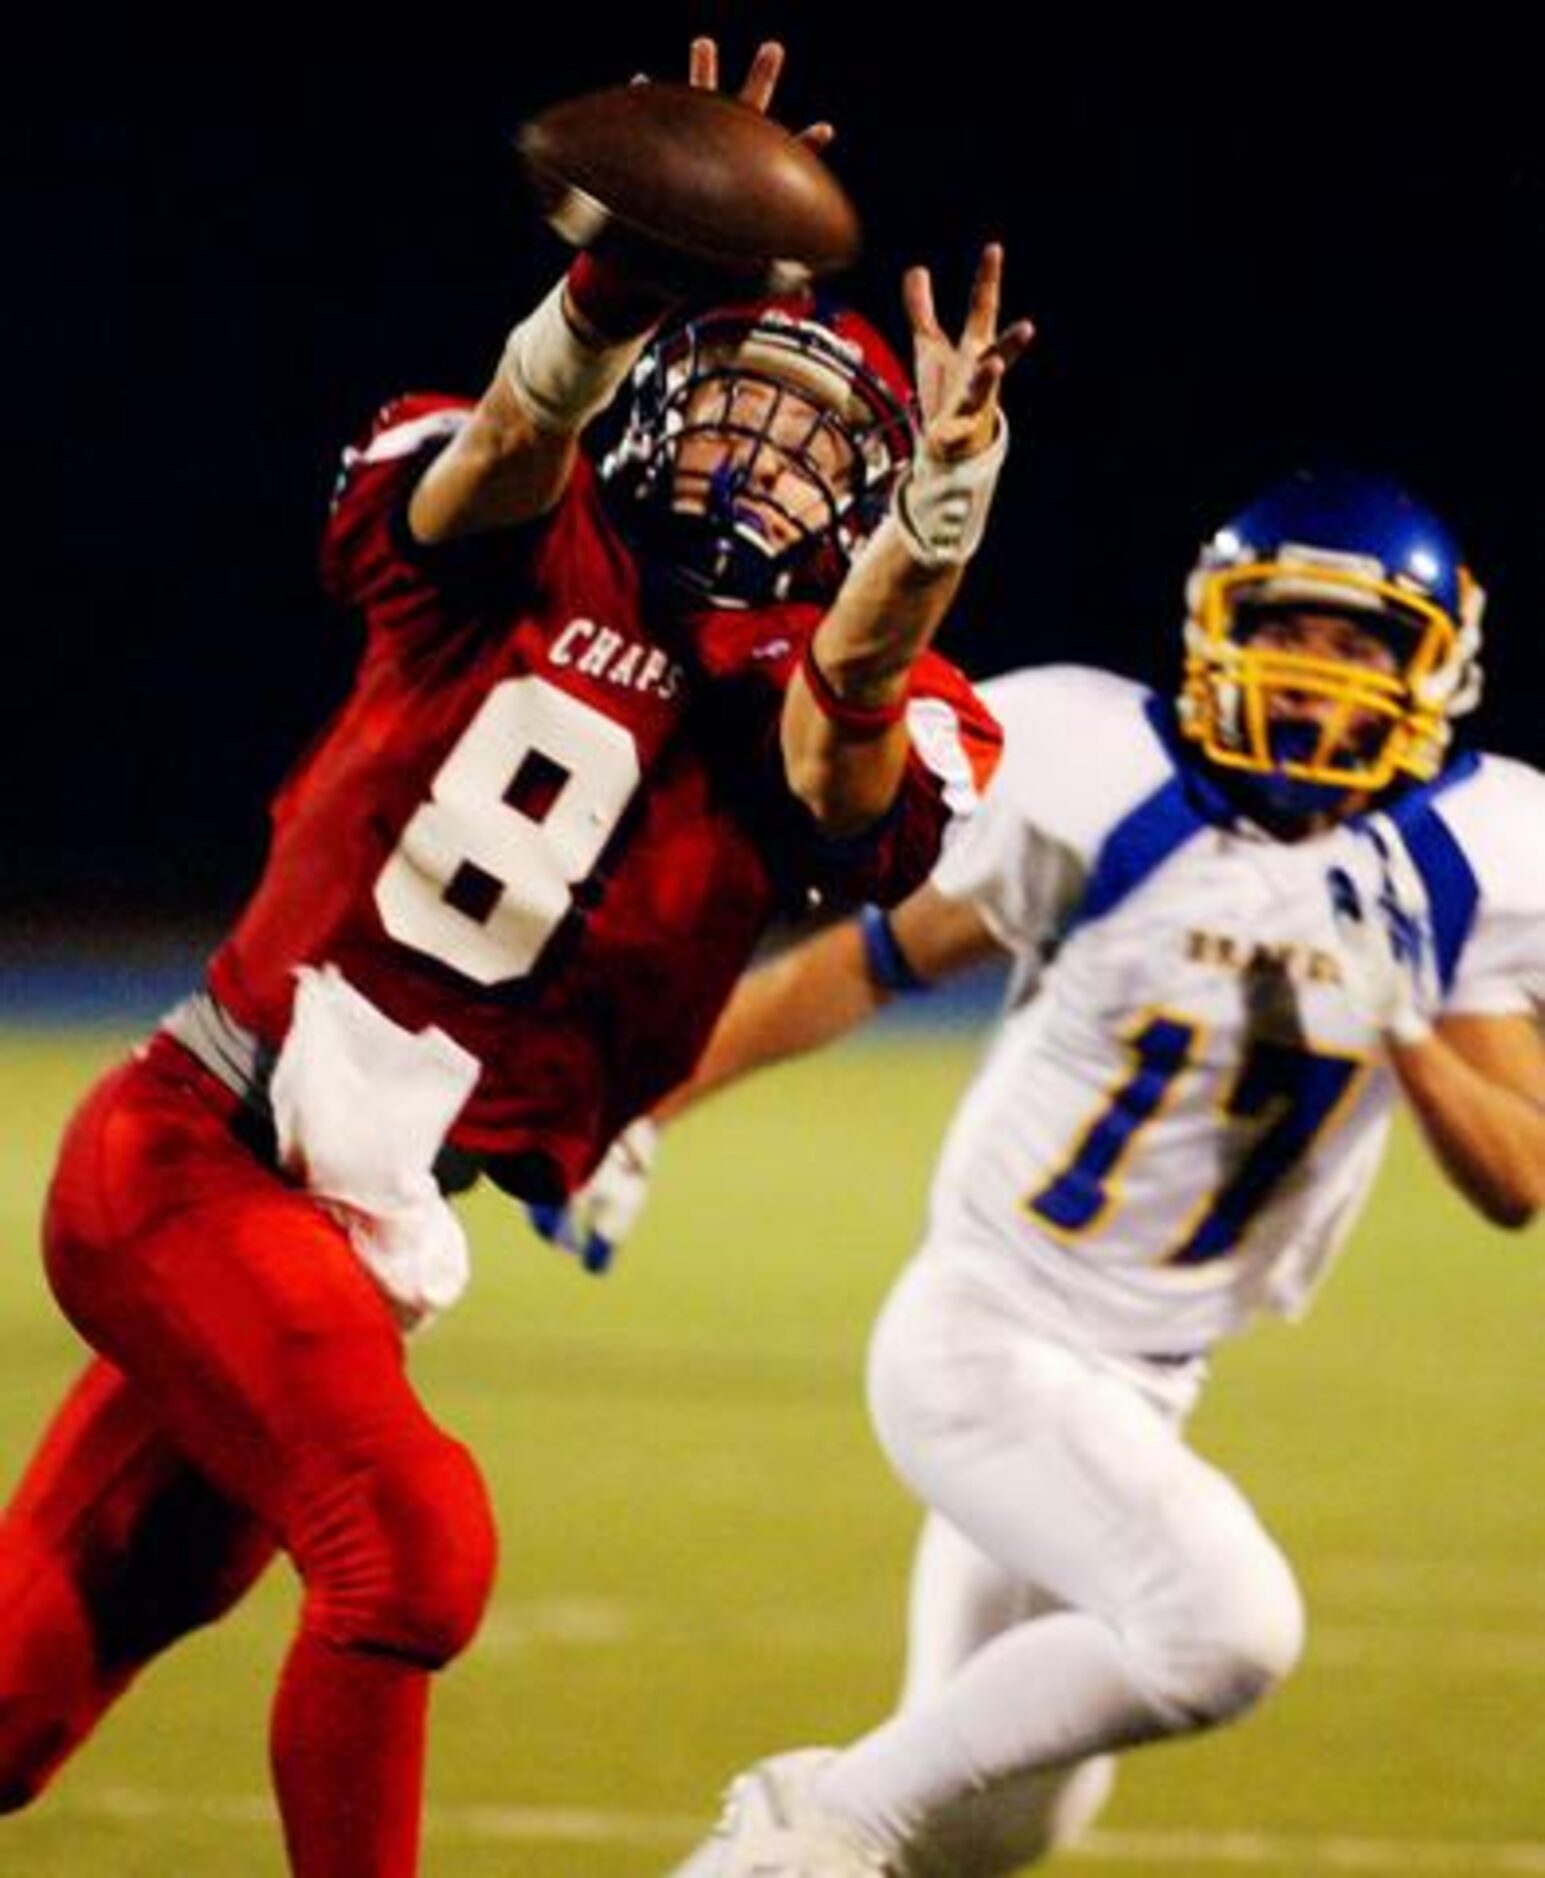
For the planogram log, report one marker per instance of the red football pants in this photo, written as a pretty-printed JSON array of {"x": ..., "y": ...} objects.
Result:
[{"x": 250, "y": 1392}]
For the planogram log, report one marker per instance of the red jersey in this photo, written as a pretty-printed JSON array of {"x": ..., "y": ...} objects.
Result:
[{"x": 551, "y": 818}]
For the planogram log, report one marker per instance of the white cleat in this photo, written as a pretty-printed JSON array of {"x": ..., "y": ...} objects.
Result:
[{"x": 771, "y": 1828}]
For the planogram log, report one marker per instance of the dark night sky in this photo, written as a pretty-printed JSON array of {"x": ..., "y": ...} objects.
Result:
[{"x": 215, "y": 277}]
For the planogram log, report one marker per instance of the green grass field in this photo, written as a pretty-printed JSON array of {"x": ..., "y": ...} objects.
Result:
[{"x": 704, "y": 1555}]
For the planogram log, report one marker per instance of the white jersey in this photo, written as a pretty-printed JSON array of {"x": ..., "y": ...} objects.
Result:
[{"x": 1181, "y": 1114}]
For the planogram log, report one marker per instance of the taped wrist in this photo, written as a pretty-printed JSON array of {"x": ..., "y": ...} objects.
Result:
[
  {"x": 561, "y": 381},
  {"x": 942, "y": 505}
]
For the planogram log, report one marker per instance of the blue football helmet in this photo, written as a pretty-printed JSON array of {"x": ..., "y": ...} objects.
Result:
[
  {"x": 721, "y": 404},
  {"x": 1333, "y": 542}
]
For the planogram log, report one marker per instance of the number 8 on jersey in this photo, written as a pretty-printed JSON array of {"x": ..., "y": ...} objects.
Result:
[{"x": 518, "y": 814}]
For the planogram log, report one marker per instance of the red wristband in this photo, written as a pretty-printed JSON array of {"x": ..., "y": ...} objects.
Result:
[
  {"x": 606, "y": 299},
  {"x": 858, "y": 720}
]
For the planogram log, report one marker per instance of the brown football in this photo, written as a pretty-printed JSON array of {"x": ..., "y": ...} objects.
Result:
[{"x": 697, "y": 188}]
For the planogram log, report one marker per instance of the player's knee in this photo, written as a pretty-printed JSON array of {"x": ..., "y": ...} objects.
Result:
[
  {"x": 399, "y": 1556},
  {"x": 1241, "y": 1636},
  {"x": 1234, "y": 1665}
]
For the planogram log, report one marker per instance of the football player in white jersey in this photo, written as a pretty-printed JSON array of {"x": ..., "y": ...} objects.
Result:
[{"x": 1240, "y": 929}]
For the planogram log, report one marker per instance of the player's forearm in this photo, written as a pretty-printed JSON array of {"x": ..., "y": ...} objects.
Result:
[
  {"x": 500, "y": 471},
  {"x": 844, "y": 760},
  {"x": 808, "y": 997},
  {"x": 1489, "y": 1139},
  {"x": 513, "y": 461},
  {"x": 888, "y": 610}
]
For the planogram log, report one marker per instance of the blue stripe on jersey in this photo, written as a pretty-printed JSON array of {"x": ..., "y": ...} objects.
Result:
[
  {"x": 1453, "y": 893},
  {"x": 1140, "y": 843},
  {"x": 1164, "y": 821},
  {"x": 1144, "y": 839}
]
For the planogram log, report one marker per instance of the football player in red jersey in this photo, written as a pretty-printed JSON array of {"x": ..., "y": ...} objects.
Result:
[{"x": 608, "y": 721}]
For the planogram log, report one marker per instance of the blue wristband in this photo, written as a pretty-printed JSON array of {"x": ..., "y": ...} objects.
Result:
[{"x": 888, "y": 964}]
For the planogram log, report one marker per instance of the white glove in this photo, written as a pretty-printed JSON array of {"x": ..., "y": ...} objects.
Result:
[
  {"x": 597, "y": 1217},
  {"x": 1388, "y": 968}
]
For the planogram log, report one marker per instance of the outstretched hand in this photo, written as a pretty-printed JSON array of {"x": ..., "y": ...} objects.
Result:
[
  {"x": 621, "y": 286},
  {"x": 761, "y": 81},
  {"x": 958, "y": 380}
]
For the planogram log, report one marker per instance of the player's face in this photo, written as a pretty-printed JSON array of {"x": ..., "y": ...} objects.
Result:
[
  {"x": 1321, "y": 635},
  {"x": 1304, "y": 717},
  {"x": 768, "y": 450}
]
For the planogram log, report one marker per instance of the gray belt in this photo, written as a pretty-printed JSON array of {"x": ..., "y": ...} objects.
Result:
[
  {"x": 228, "y": 1050},
  {"x": 245, "y": 1064}
]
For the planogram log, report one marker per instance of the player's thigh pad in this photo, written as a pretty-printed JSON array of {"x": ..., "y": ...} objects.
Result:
[{"x": 1056, "y": 1466}]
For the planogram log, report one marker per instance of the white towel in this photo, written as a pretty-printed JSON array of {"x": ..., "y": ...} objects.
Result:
[{"x": 361, "y": 1107}]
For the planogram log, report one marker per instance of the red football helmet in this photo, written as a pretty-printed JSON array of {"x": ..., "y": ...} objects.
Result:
[{"x": 760, "y": 447}]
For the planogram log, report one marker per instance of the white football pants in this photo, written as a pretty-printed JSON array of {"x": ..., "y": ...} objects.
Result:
[{"x": 1086, "y": 1582}]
